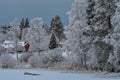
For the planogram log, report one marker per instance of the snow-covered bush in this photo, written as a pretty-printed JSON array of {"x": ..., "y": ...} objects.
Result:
[
  {"x": 7, "y": 61},
  {"x": 71, "y": 61},
  {"x": 35, "y": 60},
  {"x": 46, "y": 59},
  {"x": 54, "y": 55},
  {"x": 24, "y": 57}
]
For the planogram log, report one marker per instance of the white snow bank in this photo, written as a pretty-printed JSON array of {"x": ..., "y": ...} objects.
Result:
[{"x": 48, "y": 75}]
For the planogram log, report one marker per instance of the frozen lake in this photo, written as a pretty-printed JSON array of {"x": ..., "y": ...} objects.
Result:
[{"x": 9, "y": 74}]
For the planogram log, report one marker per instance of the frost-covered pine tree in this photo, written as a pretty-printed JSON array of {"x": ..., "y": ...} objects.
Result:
[
  {"x": 104, "y": 10},
  {"x": 23, "y": 25},
  {"x": 21, "y": 28},
  {"x": 57, "y": 27},
  {"x": 2, "y": 38},
  {"x": 90, "y": 11},
  {"x": 114, "y": 38},
  {"x": 27, "y": 23},
  {"x": 88, "y": 30},
  {"x": 53, "y": 42}
]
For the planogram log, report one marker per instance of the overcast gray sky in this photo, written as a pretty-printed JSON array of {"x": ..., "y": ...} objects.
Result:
[{"x": 33, "y": 8}]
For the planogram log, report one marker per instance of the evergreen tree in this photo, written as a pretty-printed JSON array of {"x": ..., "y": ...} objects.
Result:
[
  {"x": 23, "y": 24},
  {"x": 27, "y": 23},
  {"x": 53, "y": 42},
  {"x": 5, "y": 29},
  {"x": 57, "y": 27},
  {"x": 113, "y": 38},
  {"x": 100, "y": 28},
  {"x": 90, "y": 11}
]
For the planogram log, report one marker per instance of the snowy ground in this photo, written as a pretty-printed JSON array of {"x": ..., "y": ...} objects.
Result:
[{"x": 51, "y": 75}]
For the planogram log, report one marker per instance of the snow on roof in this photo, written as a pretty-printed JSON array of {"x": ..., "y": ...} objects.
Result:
[
  {"x": 11, "y": 44},
  {"x": 8, "y": 44},
  {"x": 22, "y": 43},
  {"x": 6, "y": 41}
]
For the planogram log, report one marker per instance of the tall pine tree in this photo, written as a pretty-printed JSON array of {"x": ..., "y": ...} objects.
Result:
[
  {"x": 27, "y": 23},
  {"x": 104, "y": 10},
  {"x": 57, "y": 27},
  {"x": 90, "y": 11},
  {"x": 113, "y": 38},
  {"x": 23, "y": 24}
]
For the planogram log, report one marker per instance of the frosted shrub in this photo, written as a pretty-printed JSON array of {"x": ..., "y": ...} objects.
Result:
[
  {"x": 46, "y": 59},
  {"x": 7, "y": 61},
  {"x": 72, "y": 62},
  {"x": 24, "y": 57},
  {"x": 55, "y": 55},
  {"x": 35, "y": 60}
]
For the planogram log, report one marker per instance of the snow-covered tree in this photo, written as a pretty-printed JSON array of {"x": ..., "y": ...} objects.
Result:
[
  {"x": 89, "y": 23},
  {"x": 113, "y": 38},
  {"x": 57, "y": 28},
  {"x": 77, "y": 11},
  {"x": 90, "y": 11},
  {"x": 53, "y": 42},
  {"x": 46, "y": 27},
  {"x": 76, "y": 42},
  {"x": 23, "y": 25},
  {"x": 14, "y": 31},
  {"x": 101, "y": 26},
  {"x": 2, "y": 38},
  {"x": 37, "y": 35},
  {"x": 27, "y": 23}
]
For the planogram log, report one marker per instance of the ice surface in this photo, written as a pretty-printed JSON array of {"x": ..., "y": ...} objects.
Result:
[{"x": 10, "y": 74}]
